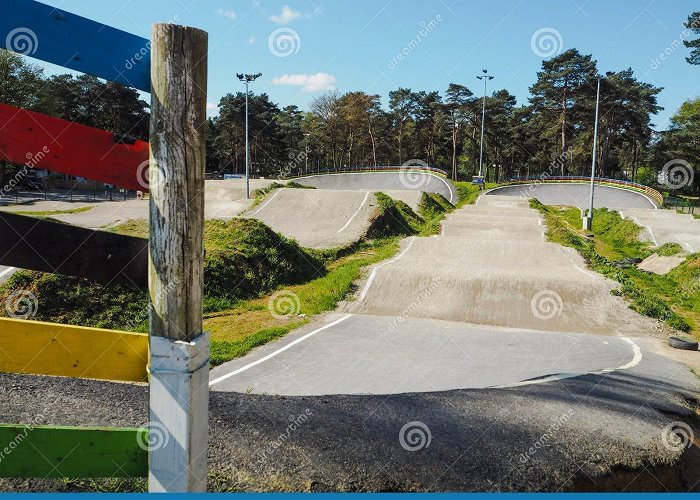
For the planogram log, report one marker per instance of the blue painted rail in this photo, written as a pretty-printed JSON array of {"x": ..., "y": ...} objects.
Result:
[{"x": 53, "y": 35}]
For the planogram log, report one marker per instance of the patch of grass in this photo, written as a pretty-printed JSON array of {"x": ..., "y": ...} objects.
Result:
[
  {"x": 673, "y": 298},
  {"x": 55, "y": 212},
  {"x": 468, "y": 193},
  {"x": 244, "y": 259},
  {"x": 393, "y": 218},
  {"x": 669, "y": 249},
  {"x": 236, "y": 331}
]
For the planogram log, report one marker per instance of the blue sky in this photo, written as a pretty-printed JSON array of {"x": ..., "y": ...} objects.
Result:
[{"x": 304, "y": 47}]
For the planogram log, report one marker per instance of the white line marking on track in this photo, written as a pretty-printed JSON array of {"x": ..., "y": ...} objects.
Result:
[
  {"x": 356, "y": 212},
  {"x": 373, "y": 274},
  {"x": 636, "y": 359},
  {"x": 7, "y": 271},
  {"x": 275, "y": 353},
  {"x": 279, "y": 190}
]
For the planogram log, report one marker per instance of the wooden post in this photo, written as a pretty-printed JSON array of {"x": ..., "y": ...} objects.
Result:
[{"x": 179, "y": 367}]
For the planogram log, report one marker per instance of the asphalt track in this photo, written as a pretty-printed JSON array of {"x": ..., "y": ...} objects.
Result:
[
  {"x": 576, "y": 195},
  {"x": 449, "y": 312},
  {"x": 382, "y": 181}
]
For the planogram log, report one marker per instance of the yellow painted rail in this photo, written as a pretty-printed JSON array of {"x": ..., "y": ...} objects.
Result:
[{"x": 40, "y": 348}]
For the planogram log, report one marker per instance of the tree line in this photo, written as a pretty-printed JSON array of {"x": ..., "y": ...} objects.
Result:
[{"x": 549, "y": 134}]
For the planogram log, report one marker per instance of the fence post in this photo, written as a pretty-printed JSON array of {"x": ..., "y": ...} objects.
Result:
[{"x": 179, "y": 350}]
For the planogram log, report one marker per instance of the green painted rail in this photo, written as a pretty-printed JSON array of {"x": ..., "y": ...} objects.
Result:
[{"x": 28, "y": 451}]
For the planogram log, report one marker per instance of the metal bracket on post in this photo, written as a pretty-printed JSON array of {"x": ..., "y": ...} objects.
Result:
[{"x": 180, "y": 382}]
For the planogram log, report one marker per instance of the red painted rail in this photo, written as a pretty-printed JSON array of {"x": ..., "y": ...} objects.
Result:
[{"x": 41, "y": 141}]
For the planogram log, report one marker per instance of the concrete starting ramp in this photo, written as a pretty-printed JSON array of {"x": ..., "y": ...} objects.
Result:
[{"x": 576, "y": 195}]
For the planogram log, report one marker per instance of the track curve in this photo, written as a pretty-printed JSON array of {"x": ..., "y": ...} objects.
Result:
[
  {"x": 576, "y": 194},
  {"x": 381, "y": 181}
]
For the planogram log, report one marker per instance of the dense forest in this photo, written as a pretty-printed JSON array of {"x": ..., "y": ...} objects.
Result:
[{"x": 551, "y": 133}]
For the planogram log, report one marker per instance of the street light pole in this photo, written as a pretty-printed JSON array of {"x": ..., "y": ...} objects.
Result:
[
  {"x": 485, "y": 77},
  {"x": 247, "y": 79},
  {"x": 588, "y": 220},
  {"x": 306, "y": 157}
]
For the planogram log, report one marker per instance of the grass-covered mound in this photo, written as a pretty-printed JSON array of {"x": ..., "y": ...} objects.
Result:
[
  {"x": 673, "y": 297},
  {"x": 468, "y": 192},
  {"x": 244, "y": 259},
  {"x": 396, "y": 218}
]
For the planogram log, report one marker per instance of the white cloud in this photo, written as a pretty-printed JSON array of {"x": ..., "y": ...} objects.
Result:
[
  {"x": 286, "y": 15},
  {"x": 308, "y": 83},
  {"x": 251, "y": 40},
  {"x": 211, "y": 106},
  {"x": 227, "y": 13}
]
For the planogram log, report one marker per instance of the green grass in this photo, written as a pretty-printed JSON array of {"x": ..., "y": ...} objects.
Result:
[
  {"x": 468, "y": 192},
  {"x": 55, "y": 212},
  {"x": 244, "y": 259},
  {"x": 673, "y": 297},
  {"x": 250, "y": 324},
  {"x": 246, "y": 265}
]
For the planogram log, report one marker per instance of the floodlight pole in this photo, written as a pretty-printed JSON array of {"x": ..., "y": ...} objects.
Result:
[
  {"x": 485, "y": 77},
  {"x": 246, "y": 79},
  {"x": 588, "y": 220}
]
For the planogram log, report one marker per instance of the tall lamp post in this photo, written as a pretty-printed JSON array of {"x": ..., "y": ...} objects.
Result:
[
  {"x": 485, "y": 77},
  {"x": 306, "y": 156},
  {"x": 247, "y": 79},
  {"x": 588, "y": 220}
]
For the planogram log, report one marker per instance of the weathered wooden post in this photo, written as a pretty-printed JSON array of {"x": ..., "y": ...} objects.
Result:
[{"x": 179, "y": 350}]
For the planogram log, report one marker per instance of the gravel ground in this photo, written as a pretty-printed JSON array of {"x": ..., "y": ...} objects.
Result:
[{"x": 548, "y": 437}]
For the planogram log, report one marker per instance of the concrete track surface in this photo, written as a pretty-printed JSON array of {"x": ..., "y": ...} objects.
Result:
[
  {"x": 323, "y": 218},
  {"x": 383, "y": 181},
  {"x": 667, "y": 226},
  {"x": 499, "y": 273},
  {"x": 317, "y": 218},
  {"x": 576, "y": 195}
]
